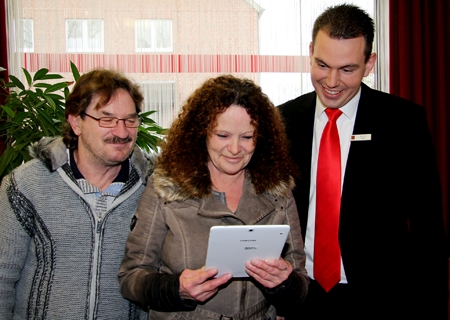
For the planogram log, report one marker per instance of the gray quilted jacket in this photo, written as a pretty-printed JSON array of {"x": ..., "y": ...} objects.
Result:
[{"x": 49, "y": 241}]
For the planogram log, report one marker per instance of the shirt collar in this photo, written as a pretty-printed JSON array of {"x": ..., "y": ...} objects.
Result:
[
  {"x": 121, "y": 177},
  {"x": 349, "y": 109}
]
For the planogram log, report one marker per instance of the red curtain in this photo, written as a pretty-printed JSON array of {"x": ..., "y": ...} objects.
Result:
[
  {"x": 419, "y": 44},
  {"x": 3, "y": 53},
  {"x": 3, "y": 40},
  {"x": 419, "y": 40}
]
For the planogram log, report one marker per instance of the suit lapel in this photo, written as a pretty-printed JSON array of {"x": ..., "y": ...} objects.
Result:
[
  {"x": 301, "y": 129},
  {"x": 364, "y": 114},
  {"x": 360, "y": 168}
]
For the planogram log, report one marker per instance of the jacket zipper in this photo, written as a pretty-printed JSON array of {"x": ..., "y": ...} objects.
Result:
[
  {"x": 93, "y": 286},
  {"x": 97, "y": 237}
]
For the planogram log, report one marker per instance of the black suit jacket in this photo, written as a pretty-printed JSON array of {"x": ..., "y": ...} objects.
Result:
[{"x": 391, "y": 230}]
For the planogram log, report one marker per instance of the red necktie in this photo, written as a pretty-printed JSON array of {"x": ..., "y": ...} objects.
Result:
[{"x": 327, "y": 254}]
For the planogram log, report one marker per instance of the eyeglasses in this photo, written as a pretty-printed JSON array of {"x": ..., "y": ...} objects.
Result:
[{"x": 111, "y": 122}]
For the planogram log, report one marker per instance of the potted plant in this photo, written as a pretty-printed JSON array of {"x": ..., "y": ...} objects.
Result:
[{"x": 36, "y": 110}]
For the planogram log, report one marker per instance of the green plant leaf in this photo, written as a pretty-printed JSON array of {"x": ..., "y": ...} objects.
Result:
[
  {"x": 25, "y": 135},
  {"x": 39, "y": 102},
  {"x": 21, "y": 146},
  {"x": 5, "y": 127},
  {"x": 147, "y": 113},
  {"x": 42, "y": 85},
  {"x": 55, "y": 96},
  {"x": 25, "y": 154},
  {"x": 9, "y": 111},
  {"x": 56, "y": 87},
  {"x": 38, "y": 92},
  {"x": 10, "y": 85},
  {"x": 40, "y": 73},
  {"x": 16, "y": 161},
  {"x": 155, "y": 129},
  {"x": 21, "y": 116},
  {"x": 147, "y": 141},
  {"x": 27, "y": 75},
  {"x": 66, "y": 93},
  {"x": 36, "y": 135},
  {"x": 149, "y": 122},
  {"x": 21, "y": 93},
  {"x": 6, "y": 158},
  {"x": 17, "y": 82},
  {"x": 59, "y": 107},
  {"x": 45, "y": 119},
  {"x": 30, "y": 114},
  {"x": 76, "y": 74},
  {"x": 50, "y": 102},
  {"x": 51, "y": 76}
]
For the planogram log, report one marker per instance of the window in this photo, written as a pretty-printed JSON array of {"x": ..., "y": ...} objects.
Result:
[
  {"x": 26, "y": 27},
  {"x": 84, "y": 35},
  {"x": 153, "y": 35},
  {"x": 183, "y": 41},
  {"x": 285, "y": 29},
  {"x": 159, "y": 96}
]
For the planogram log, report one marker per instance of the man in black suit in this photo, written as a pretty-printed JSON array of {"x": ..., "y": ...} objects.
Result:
[{"x": 390, "y": 233}]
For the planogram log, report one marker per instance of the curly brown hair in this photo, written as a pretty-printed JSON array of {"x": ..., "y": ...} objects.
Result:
[
  {"x": 184, "y": 154},
  {"x": 97, "y": 82}
]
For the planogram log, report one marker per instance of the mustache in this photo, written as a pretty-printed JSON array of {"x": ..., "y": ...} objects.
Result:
[{"x": 118, "y": 140}]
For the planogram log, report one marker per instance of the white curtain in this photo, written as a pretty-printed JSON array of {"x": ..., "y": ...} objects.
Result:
[
  {"x": 171, "y": 46},
  {"x": 15, "y": 55},
  {"x": 381, "y": 45}
]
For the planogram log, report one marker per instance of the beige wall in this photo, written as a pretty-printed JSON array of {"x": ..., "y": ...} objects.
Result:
[{"x": 197, "y": 32}]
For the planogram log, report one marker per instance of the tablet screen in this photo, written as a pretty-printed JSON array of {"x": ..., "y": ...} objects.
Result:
[{"x": 230, "y": 247}]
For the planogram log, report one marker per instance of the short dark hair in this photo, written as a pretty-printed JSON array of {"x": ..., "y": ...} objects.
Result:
[
  {"x": 100, "y": 82},
  {"x": 346, "y": 21},
  {"x": 184, "y": 154}
]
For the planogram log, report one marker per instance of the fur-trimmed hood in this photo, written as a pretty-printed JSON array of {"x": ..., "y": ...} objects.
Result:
[
  {"x": 168, "y": 188},
  {"x": 53, "y": 153}
]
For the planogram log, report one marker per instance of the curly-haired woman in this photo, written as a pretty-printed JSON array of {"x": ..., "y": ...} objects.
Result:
[{"x": 225, "y": 161}]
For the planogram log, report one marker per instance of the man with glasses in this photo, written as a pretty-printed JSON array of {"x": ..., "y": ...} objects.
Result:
[{"x": 65, "y": 215}]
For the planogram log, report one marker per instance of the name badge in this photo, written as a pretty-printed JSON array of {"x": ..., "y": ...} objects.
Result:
[{"x": 361, "y": 137}]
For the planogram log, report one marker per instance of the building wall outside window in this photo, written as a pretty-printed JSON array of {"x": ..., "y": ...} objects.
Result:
[
  {"x": 152, "y": 41},
  {"x": 175, "y": 44}
]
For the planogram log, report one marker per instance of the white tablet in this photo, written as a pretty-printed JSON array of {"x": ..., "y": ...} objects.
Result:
[{"x": 230, "y": 247}]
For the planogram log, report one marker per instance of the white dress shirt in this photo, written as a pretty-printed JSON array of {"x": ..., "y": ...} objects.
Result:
[{"x": 345, "y": 125}]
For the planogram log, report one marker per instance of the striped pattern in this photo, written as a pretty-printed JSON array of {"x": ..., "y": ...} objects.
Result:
[{"x": 168, "y": 63}]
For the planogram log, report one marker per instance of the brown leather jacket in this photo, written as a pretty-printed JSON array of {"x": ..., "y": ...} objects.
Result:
[{"x": 170, "y": 236}]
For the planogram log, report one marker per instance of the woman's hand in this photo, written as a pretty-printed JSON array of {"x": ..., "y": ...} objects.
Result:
[
  {"x": 199, "y": 285},
  {"x": 270, "y": 272}
]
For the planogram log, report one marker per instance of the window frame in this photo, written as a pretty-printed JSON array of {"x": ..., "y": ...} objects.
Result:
[
  {"x": 150, "y": 27},
  {"x": 23, "y": 33},
  {"x": 85, "y": 39}
]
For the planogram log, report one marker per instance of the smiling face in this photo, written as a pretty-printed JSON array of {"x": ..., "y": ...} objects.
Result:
[
  {"x": 337, "y": 68},
  {"x": 231, "y": 144},
  {"x": 106, "y": 146}
]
